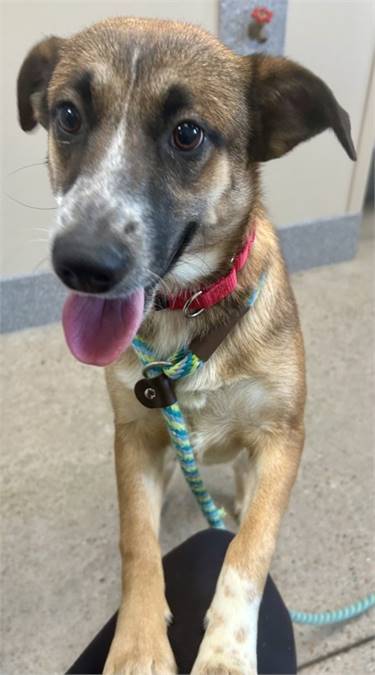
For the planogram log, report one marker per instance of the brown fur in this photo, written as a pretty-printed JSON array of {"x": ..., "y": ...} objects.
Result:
[{"x": 250, "y": 396}]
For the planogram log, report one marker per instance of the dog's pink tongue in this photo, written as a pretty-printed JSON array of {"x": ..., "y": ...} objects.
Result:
[{"x": 98, "y": 331}]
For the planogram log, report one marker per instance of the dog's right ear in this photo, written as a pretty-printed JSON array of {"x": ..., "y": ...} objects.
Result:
[
  {"x": 32, "y": 82},
  {"x": 289, "y": 105}
]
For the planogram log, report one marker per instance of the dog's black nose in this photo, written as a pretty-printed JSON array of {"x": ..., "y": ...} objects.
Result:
[{"x": 94, "y": 268}]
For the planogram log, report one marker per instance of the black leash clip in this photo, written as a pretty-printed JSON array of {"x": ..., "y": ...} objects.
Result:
[{"x": 155, "y": 392}]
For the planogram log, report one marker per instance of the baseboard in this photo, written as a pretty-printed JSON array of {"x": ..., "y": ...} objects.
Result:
[
  {"x": 324, "y": 242},
  {"x": 36, "y": 300}
]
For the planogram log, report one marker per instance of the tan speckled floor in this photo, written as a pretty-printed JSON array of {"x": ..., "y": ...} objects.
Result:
[{"x": 59, "y": 514}]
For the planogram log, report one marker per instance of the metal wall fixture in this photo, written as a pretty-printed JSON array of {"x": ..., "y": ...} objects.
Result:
[{"x": 250, "y": 27}]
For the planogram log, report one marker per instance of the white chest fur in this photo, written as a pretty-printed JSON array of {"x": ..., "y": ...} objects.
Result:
[{"x": 216, "y": 412}]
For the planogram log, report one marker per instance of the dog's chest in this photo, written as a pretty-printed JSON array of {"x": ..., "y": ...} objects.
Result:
[
  {"x": 216, "y": 411},
  {"x": 217, "y": 414},
  {"x": 221, "y": 419}
]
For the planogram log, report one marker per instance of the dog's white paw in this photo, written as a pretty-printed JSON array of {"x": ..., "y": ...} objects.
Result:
[
  {"x": 229, "y": 644},
  {"x": 217, "y": 656},
  {"x": 140, "y": 658},
  {"x": 223, "y": 666}
]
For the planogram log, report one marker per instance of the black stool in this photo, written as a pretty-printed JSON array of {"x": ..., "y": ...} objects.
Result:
[{"x": 191, "y": 571}]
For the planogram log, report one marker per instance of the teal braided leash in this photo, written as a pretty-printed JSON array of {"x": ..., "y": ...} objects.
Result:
[
  {"x": 182, "y": 364},
  {"x": 337, "y": 616}
]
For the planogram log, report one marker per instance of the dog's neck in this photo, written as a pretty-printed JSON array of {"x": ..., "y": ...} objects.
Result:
[
  {"x": 197, "y": 300},
  {"x": 168, "y": 330}
]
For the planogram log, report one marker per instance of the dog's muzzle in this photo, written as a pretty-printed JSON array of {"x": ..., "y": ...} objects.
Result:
[{"x": 90, "y": 268}]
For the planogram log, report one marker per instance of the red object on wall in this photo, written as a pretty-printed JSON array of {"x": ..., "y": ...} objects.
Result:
[{"x": 261, "y": 15}]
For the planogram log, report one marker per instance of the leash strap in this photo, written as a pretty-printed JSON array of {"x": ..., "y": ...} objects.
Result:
[{"x": 156, "y": 390}]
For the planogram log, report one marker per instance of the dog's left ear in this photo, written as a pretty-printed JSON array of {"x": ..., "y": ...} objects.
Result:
[
  {"x": 32, "y": 82},
  {"x": 288, "y": 104}
]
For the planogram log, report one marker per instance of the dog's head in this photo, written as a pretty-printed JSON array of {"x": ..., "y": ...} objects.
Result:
[{"x": 155, "y": 130}]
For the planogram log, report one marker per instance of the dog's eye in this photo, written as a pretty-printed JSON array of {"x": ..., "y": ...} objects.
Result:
[
  {"x": 68, "y": 118},
  {"x": 187, "y": 136}
]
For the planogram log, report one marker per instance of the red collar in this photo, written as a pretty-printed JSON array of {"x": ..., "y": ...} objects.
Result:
[{"x": 194, "y": 303}]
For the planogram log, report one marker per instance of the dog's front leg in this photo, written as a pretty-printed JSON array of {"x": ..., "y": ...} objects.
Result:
[
  {"x": 140, "y": 645},
  {"x": 229, "y": 644}
]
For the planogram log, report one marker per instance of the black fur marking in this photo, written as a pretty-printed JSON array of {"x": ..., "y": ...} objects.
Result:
[
  {"x": 177, "y": 99},
  {"x": 184, "y": 241},
  {"x": 82, "y": 84}
]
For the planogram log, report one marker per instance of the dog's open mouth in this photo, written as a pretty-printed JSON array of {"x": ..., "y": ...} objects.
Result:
[{"x": 98, "y": 330}]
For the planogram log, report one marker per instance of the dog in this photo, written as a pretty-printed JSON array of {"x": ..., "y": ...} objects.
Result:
[{"x": 155, "y": 136}]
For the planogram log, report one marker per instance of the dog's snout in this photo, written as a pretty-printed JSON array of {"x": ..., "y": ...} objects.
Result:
[
  {"x": 82, "y": 275},
  {"x": 89, "y": 268}
]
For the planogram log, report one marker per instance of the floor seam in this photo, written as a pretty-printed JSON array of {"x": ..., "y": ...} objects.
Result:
[{"x": 336, "y": 652}]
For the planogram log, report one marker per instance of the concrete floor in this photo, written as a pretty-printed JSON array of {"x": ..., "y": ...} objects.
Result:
[{"x": 59, "y": 524}]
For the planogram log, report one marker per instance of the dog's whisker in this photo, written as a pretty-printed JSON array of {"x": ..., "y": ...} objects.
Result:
[
  {"x": 19, "y": 201},
  {"x": 29, "y": 206},
  {"x": 38, "y": 266},
  {"x": 41, "y": 229},
  {"x": 38, "y": 241},
  {"x": 202, "y": 264},
  {"x": 163, "y": 284},
  {"x": 26, "y": 166}
]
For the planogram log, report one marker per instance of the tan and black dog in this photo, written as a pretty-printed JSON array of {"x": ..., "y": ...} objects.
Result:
[{"x": 156, "y": 131}]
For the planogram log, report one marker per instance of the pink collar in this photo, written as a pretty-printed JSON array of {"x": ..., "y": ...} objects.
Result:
[{"x": 194, "y": 303}]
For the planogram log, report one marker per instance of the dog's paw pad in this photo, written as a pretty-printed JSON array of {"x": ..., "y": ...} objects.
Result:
[{"x": 223, "y": 665}]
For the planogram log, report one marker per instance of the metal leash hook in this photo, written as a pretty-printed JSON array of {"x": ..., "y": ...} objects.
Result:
[
  {"x": 186, "y": 307},
  {"x": 154, "y": 364}
]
